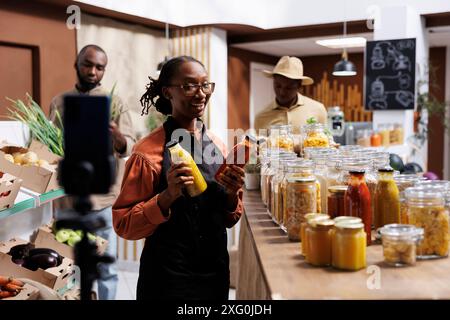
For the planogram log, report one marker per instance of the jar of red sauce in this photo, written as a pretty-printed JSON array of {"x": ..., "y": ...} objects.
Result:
[
  {"x": 335, "y": 203},
  {"x": 357, "y": 201}
]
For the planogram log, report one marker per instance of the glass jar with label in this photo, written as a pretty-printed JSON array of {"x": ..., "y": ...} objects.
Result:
[
  {"x": 319, "y": 242},
  {"x": 315, "y": 136},
  {"x": 304, "y": 226},
  {"x": 348, "y": 250},
  {"x": 399, "y": 243},
  {"x": 335, "y": 205},
  {"x": 300, "y": 199},
  {"x": 426, "y": 209},
  {"x": 281, "y": 137}
]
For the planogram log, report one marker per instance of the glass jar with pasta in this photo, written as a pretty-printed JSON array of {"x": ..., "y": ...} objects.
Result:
[
  {"x": 281, "y": 137},
  {"x": 426, "y": 209},
  {"x": 315, "y": 136},
  {"x": 300, "y": 199}
]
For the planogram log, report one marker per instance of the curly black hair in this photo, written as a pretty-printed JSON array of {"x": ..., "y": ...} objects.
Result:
[{"x": 153, "y": 95}]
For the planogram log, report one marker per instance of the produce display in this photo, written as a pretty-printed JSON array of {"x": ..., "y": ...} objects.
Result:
[
  {"x": 71, "y": 237},
  {"x": 32, "y": 258},
  {"x": 10, "y": 287},
  {"x": 29, "y": 158}
]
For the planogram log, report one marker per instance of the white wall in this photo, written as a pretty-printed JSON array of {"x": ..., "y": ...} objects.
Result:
[
  {"x": 261, "y": 90},
  {"x": 218, "y": 73},
  {"x": 265, "y": 14}
]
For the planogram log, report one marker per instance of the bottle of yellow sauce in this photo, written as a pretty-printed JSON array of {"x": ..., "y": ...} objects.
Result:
[
  {"x": 348, "y": 246},
  {"x": 319, "y": 242},
  {"x": 178, "y": 155},
  {"x": 387, "y": 199},
  {"x": 304, "y": 225}
]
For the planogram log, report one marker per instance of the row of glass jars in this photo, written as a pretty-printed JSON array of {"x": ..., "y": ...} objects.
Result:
[{"x": 288, "y": 138}]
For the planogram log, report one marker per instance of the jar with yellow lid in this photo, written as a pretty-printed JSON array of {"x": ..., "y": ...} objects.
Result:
[
  {"x": 304, "y": 226},
  {"x": 399, "y": 243},
  {"x": 426, "y": 209},
  {"x": 348, "y": 249},
  {"x": 281, "y": 137},
  {"x": 300, "y": 200},
  {"x": 319, "y": 242},
  {"x": 315, "y": 136}
]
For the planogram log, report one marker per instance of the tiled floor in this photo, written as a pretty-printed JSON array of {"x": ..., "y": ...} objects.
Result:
[{"x": 126, "y": 289}]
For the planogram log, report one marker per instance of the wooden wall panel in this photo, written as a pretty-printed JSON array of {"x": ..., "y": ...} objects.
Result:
[
  {"x": 239, "y": 85},
  {"x": 345, "y": 92},
  {"x": 16, "y": 73},
  {"x": 435, "y": 127},
  {"x": 42, "y": 27}
]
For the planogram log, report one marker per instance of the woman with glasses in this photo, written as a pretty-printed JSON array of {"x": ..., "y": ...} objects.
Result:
[{"x": 185, "y": 254}]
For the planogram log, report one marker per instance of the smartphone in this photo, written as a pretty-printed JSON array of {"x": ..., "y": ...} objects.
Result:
[{"x": 88, "y": 166}]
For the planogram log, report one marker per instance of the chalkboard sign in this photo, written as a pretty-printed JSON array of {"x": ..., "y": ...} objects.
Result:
[{"x": 390, "y": 74}]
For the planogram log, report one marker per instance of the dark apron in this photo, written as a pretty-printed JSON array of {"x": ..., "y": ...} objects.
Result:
[{"x": 186, "y": 258}]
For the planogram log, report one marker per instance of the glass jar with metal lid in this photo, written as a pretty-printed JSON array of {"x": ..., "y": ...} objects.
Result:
[
  {"x": 304, "y": 226},
  {"x": 443, "y": 184},
  {"x": 319, "y": 242},
  {"x": 301, "y": 196},
  {"x": 335, "y": 205},
  {"x": 426, "y": 210},
  {"x": 278, "y": 189},
  {"x": 348, "y": 250},
  {"x": 281, "y": 137},
  {"x": 271, "y": 171},
  {"x": 404, "y": 181},
  {"x": 399, "y": 243}
]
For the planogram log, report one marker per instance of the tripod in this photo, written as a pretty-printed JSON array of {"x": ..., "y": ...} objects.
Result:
[{"x": 86, "y": 257}]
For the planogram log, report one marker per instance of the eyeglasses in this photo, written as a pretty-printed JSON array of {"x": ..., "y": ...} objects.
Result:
[{"x": 191, "y": 89}]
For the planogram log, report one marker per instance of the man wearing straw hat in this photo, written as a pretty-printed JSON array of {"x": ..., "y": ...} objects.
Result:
[{"x": 289, "y": 106}]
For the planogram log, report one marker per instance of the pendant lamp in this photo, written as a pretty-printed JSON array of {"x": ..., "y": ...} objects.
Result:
[{"x": 344, "y": 67}]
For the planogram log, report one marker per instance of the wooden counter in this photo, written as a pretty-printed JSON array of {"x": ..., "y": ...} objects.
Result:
[{"x": 271, "y": 267}]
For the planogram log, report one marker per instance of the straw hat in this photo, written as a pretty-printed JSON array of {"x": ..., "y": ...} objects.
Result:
[{"x": 290, "y": 67}]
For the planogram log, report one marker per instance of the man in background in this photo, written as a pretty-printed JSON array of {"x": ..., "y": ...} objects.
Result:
[
  {"x": 90, "y": 67},
  {"x": 289, "y": 106}
]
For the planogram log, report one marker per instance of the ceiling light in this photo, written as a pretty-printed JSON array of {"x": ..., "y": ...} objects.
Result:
[{"x": 338, "y": 43}]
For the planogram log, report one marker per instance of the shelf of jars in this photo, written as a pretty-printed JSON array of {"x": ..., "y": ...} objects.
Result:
[
  {"x": 327, "y": 221},
  {"x": 271, "y": 266}
]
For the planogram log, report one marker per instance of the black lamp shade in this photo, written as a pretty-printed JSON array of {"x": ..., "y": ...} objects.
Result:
[{"x": 344, "y": 68}]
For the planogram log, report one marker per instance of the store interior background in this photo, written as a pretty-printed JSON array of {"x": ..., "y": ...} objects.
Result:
[{"x": 235, "y": 40}]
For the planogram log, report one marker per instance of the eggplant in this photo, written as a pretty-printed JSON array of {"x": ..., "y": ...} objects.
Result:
[
  {"x": 52, "y": 252},
  {"x": 20, "y": 251},
  {"x": 43, "y": 261}
]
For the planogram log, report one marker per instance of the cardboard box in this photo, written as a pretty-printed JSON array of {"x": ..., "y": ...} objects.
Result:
[
  {"x": 39, "y": 179},
  {"x": 9, "y": 188},
  {"x": 46, "y": 239},
  {"x": 54, "y": 278},
  {"x": 28, "y": 292}
]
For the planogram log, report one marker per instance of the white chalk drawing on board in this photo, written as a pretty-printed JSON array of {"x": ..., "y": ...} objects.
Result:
[
  {"x": 396, "y": 61},
  {"x": 378, "y": 96}
]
